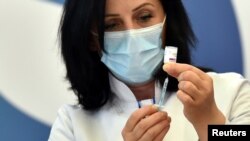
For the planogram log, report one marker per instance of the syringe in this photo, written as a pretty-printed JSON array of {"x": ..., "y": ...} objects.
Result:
[{"x": 170, "y": 55}]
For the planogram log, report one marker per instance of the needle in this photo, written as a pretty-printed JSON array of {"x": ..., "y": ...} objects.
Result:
[{"x": 163, "y": 93}]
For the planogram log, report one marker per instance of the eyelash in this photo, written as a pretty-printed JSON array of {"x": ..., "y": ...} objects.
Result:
[
  {"x": 145, "y": 17},
  {"x": 142, "y": 18},
  {"x": 110, "y": 26}
]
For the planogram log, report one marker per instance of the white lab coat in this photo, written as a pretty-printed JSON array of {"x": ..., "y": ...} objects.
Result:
[{"x": 232, "y": 95}]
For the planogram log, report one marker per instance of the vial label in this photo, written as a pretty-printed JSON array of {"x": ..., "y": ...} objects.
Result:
[{"x": 170, "y": 54}]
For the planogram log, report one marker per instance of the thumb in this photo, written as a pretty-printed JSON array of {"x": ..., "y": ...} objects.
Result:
[{"x": 171, "y": 69}]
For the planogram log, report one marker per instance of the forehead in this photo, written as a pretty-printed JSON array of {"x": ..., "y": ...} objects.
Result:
[{"x": 117, "y": 6}]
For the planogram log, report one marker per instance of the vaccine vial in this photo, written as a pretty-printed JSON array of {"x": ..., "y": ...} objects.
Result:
[{"x": 170, "y": 54}]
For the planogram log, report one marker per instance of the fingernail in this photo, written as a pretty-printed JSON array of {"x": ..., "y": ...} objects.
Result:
[
  {"x": 166, "y": 66},
  {"x": 169, "y": 119},
  {"x": 180, "y": 77},
  {"x": 155, "y": 107}
]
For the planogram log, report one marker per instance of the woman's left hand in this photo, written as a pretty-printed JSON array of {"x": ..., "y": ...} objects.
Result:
[{"x": 196, "y": 92}]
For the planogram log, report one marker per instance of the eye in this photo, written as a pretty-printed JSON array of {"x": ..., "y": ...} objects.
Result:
[
  {"x": 144, "y": 17},
  {"x": 112, "y": 25}
]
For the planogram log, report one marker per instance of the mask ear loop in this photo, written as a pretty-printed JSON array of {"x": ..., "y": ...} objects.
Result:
[
  {"x": 164, "y": 20},
  {"x": 94, "y": 34}
]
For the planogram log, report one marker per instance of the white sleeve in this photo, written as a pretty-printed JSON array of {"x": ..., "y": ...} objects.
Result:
[
  {"x": 240, "y": 110},
  {"x": 62, "y": 127}
]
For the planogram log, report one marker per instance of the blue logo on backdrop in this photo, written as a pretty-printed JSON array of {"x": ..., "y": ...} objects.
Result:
[
  {"x": 219, "y": 47},
  {"x": 17, "y": 126},
  {"x": 58, "y": 1}
]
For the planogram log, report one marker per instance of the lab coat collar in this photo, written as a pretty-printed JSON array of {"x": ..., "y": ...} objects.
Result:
[{"x": 124, "y": 97}]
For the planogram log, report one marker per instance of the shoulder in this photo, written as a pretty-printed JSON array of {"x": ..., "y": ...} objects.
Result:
[
  {"x": 73, "y": 112},
  {"x": 225, "y": 76},
  {"x": 231, "y": 80},
  {"x": 70, "y": 119},
  {"x": 232, "y": 95},
  {"x": 68, "y": 109},
  {"x": 66, "y": 113},
  {"x": 62, "y": 128}
]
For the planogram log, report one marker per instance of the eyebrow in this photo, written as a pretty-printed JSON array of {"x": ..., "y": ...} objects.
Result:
[
  {"x": 142, "y": 5},
  {"x": 111, "y": 15},
  {"x": 135, "y": 9}
]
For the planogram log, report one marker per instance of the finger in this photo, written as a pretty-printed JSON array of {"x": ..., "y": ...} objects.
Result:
[
  {"x": 148, "y": 122},
  {"x": 162, "y": 134},
  {"x": 138, "y": 115},
  {"x": 155, "y": 131},
  {"x": 190, "y": 76},
  {"x": 200, "y": 84},
  {"x": 189, "y": 88},
  {"x": 175, "y": 69},
  {"x": 184, "y": 98}
]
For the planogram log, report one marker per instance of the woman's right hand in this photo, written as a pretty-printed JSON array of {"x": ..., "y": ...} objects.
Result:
[{"x": 146, "y": 124}]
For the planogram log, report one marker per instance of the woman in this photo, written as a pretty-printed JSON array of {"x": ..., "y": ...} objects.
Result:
[{"x": 113, "y": 52}]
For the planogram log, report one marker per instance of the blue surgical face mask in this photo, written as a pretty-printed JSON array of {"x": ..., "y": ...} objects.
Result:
[{"x": 133, "y": 56}]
